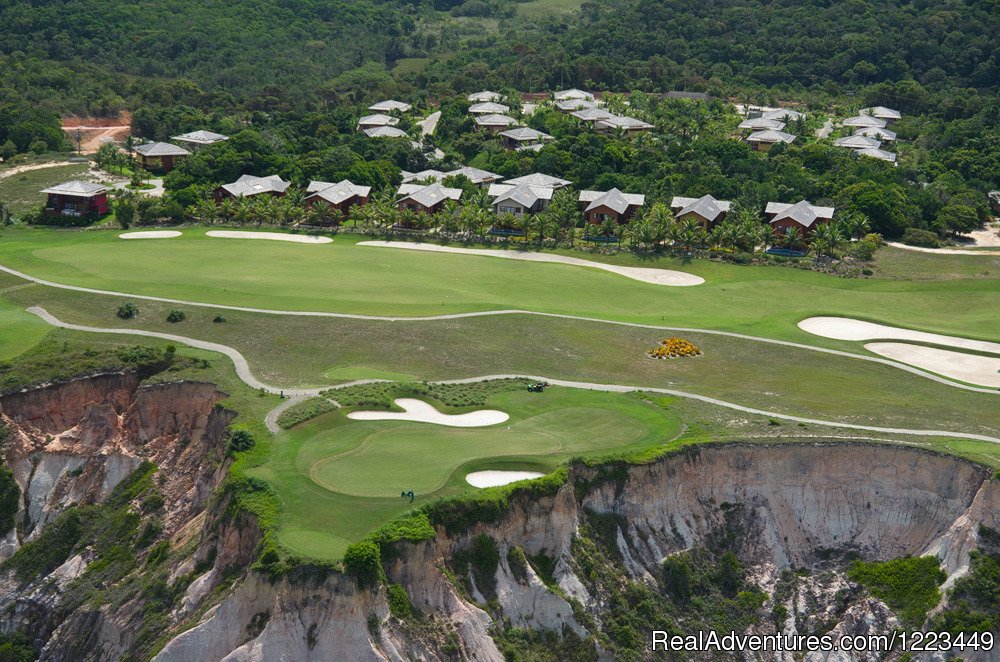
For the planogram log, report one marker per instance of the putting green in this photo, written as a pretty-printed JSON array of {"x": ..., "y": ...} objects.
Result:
[
  {"x": 19, "y": 330},
  {"x": 342, "y": 277},
  {"x": 337, "y": 478}
]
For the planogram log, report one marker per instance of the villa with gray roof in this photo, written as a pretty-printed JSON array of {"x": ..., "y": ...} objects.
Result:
[
  {"x": 159, "y": 157},
  {"x": 488, "y": 108},
  {"x": 475, "y": 175},
  {"x": 591, "y": 114},
  {"x": 520, "y": 199},
  {"x": 425, "y": 199},
  {"x": 857, "y": 142},
  {"x": 882, "y": 113},
  {"x": 762, "y": 124},
  {"x": 495, "y": 123},
  {"x": 378, "y": 119},
  {"x": 782, "y": 115},
  {"x": 249, "y": 186},
  {"x": 706, "y": 210},
  {"x": 571, "y": 94},
  {"x": 200, "y": 138},
  {"x": 621, "y": 124},
  {"x": 802, "y": 215},
  {"x": 76, "y": 198},
  {"x": 340, "y": 196},
  {"x": 523, "y": 137},
  {"x": 390, "y": 105},
  {"x": 875, "y": 153},
  {"x": 762, "y": 141},
  {"x": 614, "y": 205},
  {"x": 569, "y": 105},
  {"x": 864, "y": 121},
  {"x": 877, "y": 133},
  {"x": 539, "y": 179},
  {"x": 486, "y": 95},
  {"x": 429, "y": 176},
  {"x": 384, "y": 132}
]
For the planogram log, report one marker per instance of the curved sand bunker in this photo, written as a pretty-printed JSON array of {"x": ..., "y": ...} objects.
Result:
[
  {"x": 844, "y": 328},
  {"x": 969, "y": 368},
  {"x": 150, "y": 234},
  {"x": 495, "y": 478},
  {"x": 421, "y": 412},
  {"x": 273, "y": 236},
  {"x": 646, "y": 275}
]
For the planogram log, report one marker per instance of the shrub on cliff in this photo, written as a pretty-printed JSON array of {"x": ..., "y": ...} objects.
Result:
[
  {"x": 10, "y": 498},
  {"x": 399, "y": 601},
  {"x": 364, "y": 560},
  {"x": 909, "y": 586},
  {"x": 240, "y": 440}
]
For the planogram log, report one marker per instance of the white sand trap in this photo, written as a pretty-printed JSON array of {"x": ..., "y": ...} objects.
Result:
[
  {"x": 421, "y": 412},
  {"x": 273, "y": 236},
  {"x": 150, "y": 234},
  {"x": 498, "y": 478},
  {"x": 945, "y": 251},
  {"x": 969, "y": 368},
  {"x": 844, "y": 328},
  {"x": 644, "y": 274}
]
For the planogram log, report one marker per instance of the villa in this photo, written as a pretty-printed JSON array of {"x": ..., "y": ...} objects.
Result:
[
  {"x": 762, "y": 124},
  {"x": 160, "y": 157},
  {"x": 623, "y": 124},
  {"x": 857, "y": 142},
  {"x": 76, "y": 199},
  {"x": 876, "y": 132},
  {"x": 569, "y": 105},
  {"x": 539, "y": 179},
  {"x": 340, "y": 196},
  {"x": 378, "y": 119},
  {"x": 249, "y": 186},
  {"x": 384, "y": 132},
  {"x": 876, "y": 153},
  {"x": 572, "y": 94},
  {"x": 520, "y": 199},
  {"x": 523, "y": 137},
  {"x": 474, "y": 175},
  {"x": 802, "y": 215},
  {"x": 882, "y": 113},
  {"x": 782, "y": 115},
  {"x": 864, "y": 122},
  {"x": 390, "y": 106},
  {"x": 762, "y": 141},
  {"x": 706, "y": 210},
  {"x": 589, "y": 115},
  {"x": 478, "y": 97},
  {"x": 489, "y": 108},
  {"x": 200, "y": 138},
  {"x": 495, "y": 123},
  {"x": 429, "y": 176},
  {"x": 425, "y": 199},
  {"x": 614, "y": 205}
]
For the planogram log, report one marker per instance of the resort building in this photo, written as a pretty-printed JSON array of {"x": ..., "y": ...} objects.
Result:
[
  {"x": 159, "y": 157},
  {"x": 801, "y": 215},
  {"x": 600, "y": 206},
  {"x": 341, "y": 196},
  {"x": 706, "y": 210},
  {"x": 249, "y": 186},
  {"x": 425, "y": 199},
  {"x": 76, "y": 199},
  {"x": 762, "y": 141},
  {"x": 522, "y": 137},
  {"x": 200, "y": 138}
]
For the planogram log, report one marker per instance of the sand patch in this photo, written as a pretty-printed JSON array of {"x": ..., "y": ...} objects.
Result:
[
  {"x": 945, "y": 251},
  {"x": 497, "y": 478},
  {"x": 969, "y": 368},
  {"x": 844, "y": 328},
  {"x": 273, "y": 236},
  {"x": 150, "y": 234},
  {"x": 420, "y": 412},
  {"x": 644, "y": 274}
]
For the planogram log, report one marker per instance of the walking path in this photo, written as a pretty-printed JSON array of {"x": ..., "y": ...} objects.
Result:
[
  {"x": 17, "y": 170},
  {"x": 487, "y": 313},
  {"x": 243, "y": 371},
  {"x": 942, "y": 251},
  {"x": 429, "y": 123}
]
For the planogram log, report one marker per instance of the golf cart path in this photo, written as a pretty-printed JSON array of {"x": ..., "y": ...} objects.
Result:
[
  {"x": 17, "y": 170},
  {"x": 485, "y": 313},
  {"x": 670, "y": 277},
  {"x": 243, "y": 371},
  {"x": 941, "y": 251}
]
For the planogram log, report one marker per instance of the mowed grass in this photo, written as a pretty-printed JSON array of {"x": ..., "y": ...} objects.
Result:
[
  {"x": 19, "y": 331},
  {"x": 336, "y": 478},
  {"x": 312, "y": 351},
  {"x": 21, "y": 192},
  {"x": 342, "y": 277}
]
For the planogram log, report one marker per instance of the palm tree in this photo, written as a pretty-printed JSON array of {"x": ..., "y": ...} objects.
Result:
[
  {"x": 792, "y": 238},
  {"x": 205, "y": 211},
  {"x": 227, "y": 209},
  {"x": 824, "y": 240},
  {"x": 242, "y": 213}
]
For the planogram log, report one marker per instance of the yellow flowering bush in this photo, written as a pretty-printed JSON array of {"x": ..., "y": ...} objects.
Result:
[{"x": 674, "y": 348}]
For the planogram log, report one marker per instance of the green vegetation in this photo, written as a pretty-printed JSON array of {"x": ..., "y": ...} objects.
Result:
[
  {"x": 21, "y": 330},
  {"x": 909, "y": 586},
  {"x": 16, "y": 647},
  {"x": 399, "y": 601},
  {"x": 10, "y": 497},
  {"x": 21, "y": 192},
  {"x": 974, "y": 599}
]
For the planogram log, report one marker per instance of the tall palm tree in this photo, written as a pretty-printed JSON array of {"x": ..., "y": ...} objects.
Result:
[
  {"x": 825, "y": 239},
  {"x": 792, "y": 238}
]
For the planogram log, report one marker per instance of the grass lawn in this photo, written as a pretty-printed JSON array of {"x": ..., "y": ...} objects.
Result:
[
  {"x": 21, "y": 191},
  {"x": 341, "y": 277},
  {"x": 19, "y": 331},
  {"x": 536, "y": 9},
  {"x": 311, "y": 351},
  {"x": 351, "y": 472}
]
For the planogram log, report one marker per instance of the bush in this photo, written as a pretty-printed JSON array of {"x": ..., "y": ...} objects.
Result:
[
  {"x": 175, "y": 316},
  {"x": 218, "y": 319},
  {"x": 399, "y": 601},
  {"x": 127, "y": 310},
  {"x": 39, "y": 147},
  {"x": 921, "y": 238},
  {"x": 240, "y": 440},
  {"x": 363, "y": 560},
  {"x": 518, "y": 563},
  {"x": 909, "y": 586},
  {"x": 10, "y": 499}
]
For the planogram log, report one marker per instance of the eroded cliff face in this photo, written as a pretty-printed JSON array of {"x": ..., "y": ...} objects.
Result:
[
  {"x": 778, "y": 507},
  {"x": 69, "y": 445}
]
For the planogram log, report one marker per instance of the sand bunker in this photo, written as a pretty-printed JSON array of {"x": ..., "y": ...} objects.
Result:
[
  {"x": 843, "y": 328},
  {"x": 421, "y": 412},
  {"x": 273, "y": 236},
  {"x": 644, "y": 274},
  {"x": 969, "y": 368},
  {"x": 498, "y": 478},
  {"x": 150, "y": 234}
]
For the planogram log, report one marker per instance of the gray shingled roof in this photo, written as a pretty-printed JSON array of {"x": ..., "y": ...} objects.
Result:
[
  {"x": 538, "y": 179},
  {"x": 201, "y": 137},
  {"x": 573, "y": 93},
  {"x": 591, "y": 114},
  {"x": 762, "y": 123},
  {"x": 770, "y": 136},
  {"x": 857, "y": 142},
  {"x": 623, "y": 122},
  {"x": 569, "y": 105},
  {"x": 876, "y": 132},
  {"x": 494, "y": 119},
  {"x": 864, "y": 121},
  {"x": 882, "y": 112},
  {"x": 390, "y": 104},
  {"x": 249, "y": 185},
  {"x": 161, "y": 149},
  {"x": 524, "y": 134},
  {"x": 422, "y": 176},
  {"x": 801, "y": 212},
  {"x": 613, "y": 199},
  {"x": 378, "y": 119},
  {"x": 878, "y": 154},
  {"x": 430, "y": 195},
  {"x": 782, "y": 115},
  {"x": 706, "y": 206},
  {"x": 525, "y": 195},
  {"x": 337, "y": 193},
  {"x": 534, "y": 147},
  {"x": 485, "y": 95},
  {"x": 474, "y": 175},
  {"x": 385, "y": 132},
  {"x": 77, "y": 188},
  {"x": 489, "y": 107}
]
